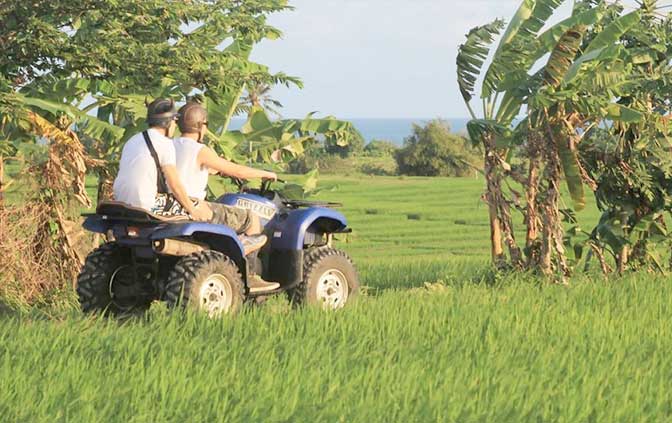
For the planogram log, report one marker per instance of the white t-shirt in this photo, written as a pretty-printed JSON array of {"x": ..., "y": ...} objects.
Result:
[
  {"x": 136, "y": 182},
  {"x": 193, "y": 176}
]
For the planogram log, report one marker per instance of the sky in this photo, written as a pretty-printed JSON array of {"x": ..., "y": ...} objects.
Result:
[{"x": 375, "y": 58}]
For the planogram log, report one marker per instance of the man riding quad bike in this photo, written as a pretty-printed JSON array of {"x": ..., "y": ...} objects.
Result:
[{"x": 205, "y": 265}]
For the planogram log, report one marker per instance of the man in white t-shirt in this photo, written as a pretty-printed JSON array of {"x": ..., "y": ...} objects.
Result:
[
  {"x": 148, "y": 176},
  {"x": 196, "y": 161}
]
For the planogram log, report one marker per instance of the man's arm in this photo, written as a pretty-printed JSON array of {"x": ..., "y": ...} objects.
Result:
[
  {"x": 180, "y": 193},
  {"x": 210, "y": 159}
]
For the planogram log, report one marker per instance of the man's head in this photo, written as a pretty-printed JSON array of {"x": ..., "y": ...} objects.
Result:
[
  {"x": 193, "y": 121},
  {"x": 161, "y": 115}
]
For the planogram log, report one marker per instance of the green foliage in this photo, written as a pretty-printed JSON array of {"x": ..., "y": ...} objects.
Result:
[
  {"x": 380, "y": 148},
  {"x": 516, "y": 49},
  {"x": 353, "y": 147},
  {"x": 472, "y": 55},
  {"x": 175, "y": 49},
  {"x": 605, "y": 67},
  {"x": 433, "y": 150},
  {"x": 139, "y": 42},
  {"x": 87, "y": 74},
  {"x": 265, "y": 140}
]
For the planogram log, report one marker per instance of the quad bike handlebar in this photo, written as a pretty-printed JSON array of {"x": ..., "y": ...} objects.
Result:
[
  {"x": 266, "y": 191},
  {"x": 265, "y": 184}
]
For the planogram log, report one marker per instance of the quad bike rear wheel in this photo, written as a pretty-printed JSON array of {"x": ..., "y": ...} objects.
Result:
[
  {"x": 207, "y": 282},
  {"x": 330, "y": 279},
  {"x": 107, "y": 284}
]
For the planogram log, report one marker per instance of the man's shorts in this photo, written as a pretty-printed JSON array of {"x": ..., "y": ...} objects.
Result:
[{"x": 235, "y": 218}]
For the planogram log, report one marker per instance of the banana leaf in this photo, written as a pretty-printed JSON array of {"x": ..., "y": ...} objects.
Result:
[
  {"x": 472, "y": 54},
  {"x": 571, "y": 166},
  {"x": 516, "y": 49},
  {"x": 603, "y": 44}
]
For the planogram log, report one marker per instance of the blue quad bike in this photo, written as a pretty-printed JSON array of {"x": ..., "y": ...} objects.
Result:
[{"x": 203, "y": 267}]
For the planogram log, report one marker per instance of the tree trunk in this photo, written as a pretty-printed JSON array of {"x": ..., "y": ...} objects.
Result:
[
  {"x": 552, "y": 229},
  {"x": 506, "y": 222},
  {"x": 624, "y": 254},
  {"x": 501, "y": 222},
  {"x": 2, "y": 182},
  {"x": 531, "y": 197},
  {"x": 493, "y": 187}
]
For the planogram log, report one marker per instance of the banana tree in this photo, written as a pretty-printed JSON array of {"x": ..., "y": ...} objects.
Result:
[
  {"x": 264, "y": 140},
  {"x": 508, "y": 88},
  {"x": 578, "y": 90},
  {"x": 520, "y": 47},
  {"x": 628, "y": 156}
]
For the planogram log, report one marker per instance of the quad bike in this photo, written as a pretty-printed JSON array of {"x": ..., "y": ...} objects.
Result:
[{"x": 203, "y": 266}]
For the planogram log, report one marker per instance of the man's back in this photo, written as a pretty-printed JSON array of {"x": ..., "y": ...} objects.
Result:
[{"x": 136, "y": 182}]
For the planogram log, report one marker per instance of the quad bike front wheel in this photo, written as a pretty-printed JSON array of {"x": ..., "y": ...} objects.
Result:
[
  {"x": 330, "y": 279},
  {"x": 107, "y": 284},
  {"x": 207, "y": 282}
]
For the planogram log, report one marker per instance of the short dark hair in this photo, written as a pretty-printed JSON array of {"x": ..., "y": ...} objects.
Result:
[
  {"x": 191, "y": 117},
  {"x": 161, "y": 112}
]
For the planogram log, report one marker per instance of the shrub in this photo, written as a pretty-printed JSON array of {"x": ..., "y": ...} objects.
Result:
[
  {"x": 353, "y": 148},
  {"x": 380, "y": 148},
  {"x": 377, "y": 166},
  {"x": 432, "y": 150}
]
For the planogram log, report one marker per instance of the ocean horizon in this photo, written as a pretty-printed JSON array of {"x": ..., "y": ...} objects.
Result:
[{"x": 394, "y": 130}]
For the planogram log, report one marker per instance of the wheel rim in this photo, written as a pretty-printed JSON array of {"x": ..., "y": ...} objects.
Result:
[
  {"x": 215, "y": 296},
  {"x": 332, "y": 289}
]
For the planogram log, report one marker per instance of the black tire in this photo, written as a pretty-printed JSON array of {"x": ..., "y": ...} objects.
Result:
[
  {"x": 193, "y": 276},
  {"x": 330, "y": 266},
  {"x": 95, "y": 287}
]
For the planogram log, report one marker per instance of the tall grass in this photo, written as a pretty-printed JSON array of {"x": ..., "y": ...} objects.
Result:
[
  {"x": 470, "y": 348},
  {"x": 471, "y": 353}
]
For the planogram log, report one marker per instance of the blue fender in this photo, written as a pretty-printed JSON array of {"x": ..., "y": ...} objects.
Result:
[
  {"x": 218, "y": 237},
  {"x": 291, "y": 232},
  {"x": 96, "y": 224}
]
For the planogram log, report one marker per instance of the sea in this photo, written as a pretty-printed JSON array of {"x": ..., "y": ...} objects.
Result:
[{"x": 394, "y": 130}]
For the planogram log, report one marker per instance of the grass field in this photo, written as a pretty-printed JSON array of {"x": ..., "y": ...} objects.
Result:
[{"x": 462, "y": 350}]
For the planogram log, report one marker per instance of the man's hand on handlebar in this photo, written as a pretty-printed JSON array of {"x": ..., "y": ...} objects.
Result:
[{"x": 270, "y": 176}]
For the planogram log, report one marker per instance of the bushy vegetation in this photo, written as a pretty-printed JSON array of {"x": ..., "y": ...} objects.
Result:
[
  {"x": 433, "y": 150},
  {"x": 380, "y": 148},
  {"x": 550, "y": 91},
  {"x": 382, "y": 165}
]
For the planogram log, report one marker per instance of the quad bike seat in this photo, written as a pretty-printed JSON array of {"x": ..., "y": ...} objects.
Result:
[{"x": 116, "y": 210}]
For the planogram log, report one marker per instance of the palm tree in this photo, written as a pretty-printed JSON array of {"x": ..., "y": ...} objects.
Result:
[{"x": 258, "y": 94}]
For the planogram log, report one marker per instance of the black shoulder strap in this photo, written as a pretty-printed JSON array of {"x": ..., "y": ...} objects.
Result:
[{"x": 162, "y": 187}]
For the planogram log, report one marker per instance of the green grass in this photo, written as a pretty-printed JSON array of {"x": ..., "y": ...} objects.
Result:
[{"x": 465, "y": 350}]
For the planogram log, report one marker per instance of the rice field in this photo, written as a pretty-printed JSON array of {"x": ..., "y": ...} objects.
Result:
[{"x": 433, "y": 339}]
